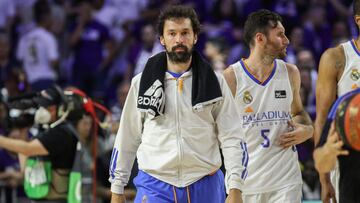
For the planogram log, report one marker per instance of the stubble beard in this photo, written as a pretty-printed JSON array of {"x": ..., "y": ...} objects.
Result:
[{"x": 282, "y": 54}]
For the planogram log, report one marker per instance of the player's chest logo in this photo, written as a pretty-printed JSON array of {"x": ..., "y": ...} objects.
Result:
[
  {"x": 247, "y": 98},
  {"x": 355, "y": 75},
  {"x": 280, "y": 94}
]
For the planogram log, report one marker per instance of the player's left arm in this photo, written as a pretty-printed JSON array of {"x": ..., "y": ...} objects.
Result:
[{"x": 301, "y": 124}]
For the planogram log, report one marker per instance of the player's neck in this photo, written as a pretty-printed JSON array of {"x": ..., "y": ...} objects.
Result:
[
  {"x": 260, "y": 62},
  {"x": 259, "y": 65},
  {"x": 178, "y": 67}
]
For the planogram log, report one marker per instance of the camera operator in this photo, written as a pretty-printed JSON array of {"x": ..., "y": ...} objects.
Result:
[
  {"x": 57, "y": 143},
  {"x": 11, "y": 177}
]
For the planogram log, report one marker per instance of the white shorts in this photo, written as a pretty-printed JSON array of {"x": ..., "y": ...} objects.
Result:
[
  {"x": 334, "y": 178},
  {"x": 290, "y": 194}
]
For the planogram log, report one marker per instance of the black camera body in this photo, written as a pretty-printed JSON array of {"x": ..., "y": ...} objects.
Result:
[{"x": 21, "y": 111}]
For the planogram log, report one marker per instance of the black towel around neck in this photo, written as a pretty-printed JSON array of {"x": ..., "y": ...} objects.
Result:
[{"x": 151, "y": 97}]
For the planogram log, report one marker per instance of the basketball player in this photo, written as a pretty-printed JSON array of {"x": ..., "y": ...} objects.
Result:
[
  {"x": 338, "y": 74},
  {"x": 176, "y": 116},
  {"x": 266, "y": 90},
  {"x": 331, "y": 148}
]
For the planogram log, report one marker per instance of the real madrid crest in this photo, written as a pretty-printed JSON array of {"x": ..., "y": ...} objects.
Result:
[
  {"x": 247, "y": 97},
  {"x": 355, "y": 75}
]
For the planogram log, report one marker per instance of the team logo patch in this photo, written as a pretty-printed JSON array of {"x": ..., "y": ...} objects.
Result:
[
  {"x": 247, "y": 97},
  {"x": 280, "y": 94},
  {"x": 355, "y": 75}
]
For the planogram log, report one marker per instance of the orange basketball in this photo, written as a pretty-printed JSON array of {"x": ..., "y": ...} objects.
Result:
[{"x": 347, "y": 121}]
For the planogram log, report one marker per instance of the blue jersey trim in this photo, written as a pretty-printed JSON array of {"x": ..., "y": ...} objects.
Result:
[
  {"x": 113, "y": 161},
  {"x": 271, "y": 75},
  {"x": 354, "y": 47},
  {"x": 332, "y": 113},
  {"x": 176, "y": 75},
  {"x": 256, "y": 80}
]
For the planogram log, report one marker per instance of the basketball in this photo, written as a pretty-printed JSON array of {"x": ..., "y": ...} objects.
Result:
[{"x": 347, "y": 121}]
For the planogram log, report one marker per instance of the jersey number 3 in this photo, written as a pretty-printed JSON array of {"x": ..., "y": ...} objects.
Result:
[{"x": 264, "y": 134}]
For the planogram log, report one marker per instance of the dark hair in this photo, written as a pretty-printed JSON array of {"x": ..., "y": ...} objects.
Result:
[
  {"x": 176, "y": 12},
  {"x": 356, "y": 7},
  {"x": 259, "y": 21},
  {"x": 220, "y": 43},
  {"x": 41, "y": 10}
]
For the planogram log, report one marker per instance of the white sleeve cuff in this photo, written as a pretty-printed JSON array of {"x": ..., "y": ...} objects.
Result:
[
  {"x": 235, "y": 185},
  {"x": 117, "y": 189}
]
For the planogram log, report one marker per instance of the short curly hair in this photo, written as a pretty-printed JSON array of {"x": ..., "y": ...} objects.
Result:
[
  {"x": 176, "y": 12},
  {"x": 259, "y": 21}
]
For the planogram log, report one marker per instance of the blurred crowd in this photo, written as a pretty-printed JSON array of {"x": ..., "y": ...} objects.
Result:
[{"x": 99, "y": 45}]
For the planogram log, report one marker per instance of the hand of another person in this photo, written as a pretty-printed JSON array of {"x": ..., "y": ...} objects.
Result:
[
  {"x": 333, "y": 145},
  {"x": 330, "y": 151}
]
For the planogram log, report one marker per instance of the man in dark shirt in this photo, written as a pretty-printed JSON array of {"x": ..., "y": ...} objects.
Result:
[
  {"x": 57, "y": 143},
  {"x": 89, "y": 38},
  {"x": 331, "y": 148}
]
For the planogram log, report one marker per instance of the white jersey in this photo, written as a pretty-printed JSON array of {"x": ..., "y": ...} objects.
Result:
[
  {"x": 265, "y": 109},
  {"x": 350, "y": 79},
  {"x": 36, "y": 50}
]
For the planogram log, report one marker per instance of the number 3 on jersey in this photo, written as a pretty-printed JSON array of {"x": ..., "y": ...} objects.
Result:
[{"x": 264, "y": 134}]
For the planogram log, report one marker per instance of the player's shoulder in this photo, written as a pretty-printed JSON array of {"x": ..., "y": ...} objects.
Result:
[
  {"x": 229, "y": 75},
  {"x": 333, "y": 59},
  {"x": 291, "y": 68},
  {"x": 229, "y": 72},
  {"x": 334, "y": 53}
]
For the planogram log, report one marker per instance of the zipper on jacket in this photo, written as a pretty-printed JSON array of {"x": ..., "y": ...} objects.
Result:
[{"x": 178, "y": 133}]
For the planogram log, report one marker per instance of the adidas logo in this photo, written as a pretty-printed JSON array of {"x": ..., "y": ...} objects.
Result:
[{"x": 153, "y": 96}]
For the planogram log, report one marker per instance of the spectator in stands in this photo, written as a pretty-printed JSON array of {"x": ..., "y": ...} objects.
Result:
[
  {"x": 317, "y": 31},
  {"x": 143, "y": 50},
  {"x": 238, "y": 48},
  {"x": 116, "y": 110},
  {"x": 6, "y": 64},
  {"x": 7, "y": 14},
  {"x": 89, "y": 39},
  {"x": 307, "y": 66},
  {"x": 216, "y": 50},
  {"x": 296, "y": 44},
  {"x": 340, "y": 32},
  {"x": 38, "y": 49}
]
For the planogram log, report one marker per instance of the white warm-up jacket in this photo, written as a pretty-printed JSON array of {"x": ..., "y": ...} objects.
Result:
[{"x": 182, "y": 145}]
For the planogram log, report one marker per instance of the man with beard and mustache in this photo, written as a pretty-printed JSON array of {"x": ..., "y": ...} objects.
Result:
[
  {"x": 177, "y": 116},
  {"x": 266, "y": 91}
]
